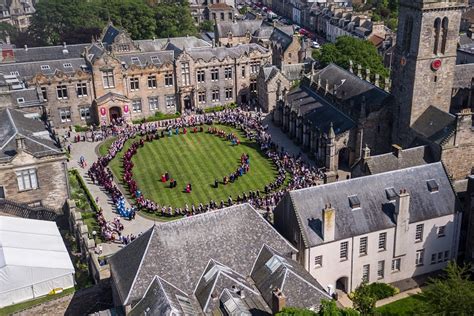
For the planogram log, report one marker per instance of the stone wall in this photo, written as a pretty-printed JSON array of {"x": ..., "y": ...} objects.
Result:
[{"x": 51, "y": 175}]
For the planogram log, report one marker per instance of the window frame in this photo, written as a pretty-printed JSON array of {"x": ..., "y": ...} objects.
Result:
[
  {"x": 152, "y": 82},
  {"x": 396, "y": 265},
  {"x": 153, "y": 100},
  {"x": 30, "y": 174},
  {"x": 344, "y": 249},
  {"x": 108, "y": 80},
  {"x": 61, "y": 92},
  {"x": 135, "y": 108},
  {"x": 382, "y": 245},
  {"x": 134, "y": 83},
  {"x": 419, "y": 228},
  {"x": 419, "y": 257},
  {"x": 363, "y": 246},
  {"x": 67, "y": 117},
  {"x": 81, "y": 89},
  {"x": 318, "y": 261}
]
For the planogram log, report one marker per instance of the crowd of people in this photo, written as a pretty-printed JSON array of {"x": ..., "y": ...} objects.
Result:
[{"x": 293, "y": 172}]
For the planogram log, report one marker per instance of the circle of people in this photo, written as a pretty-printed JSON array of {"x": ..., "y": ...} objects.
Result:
[{"x": 293, "y": 172}]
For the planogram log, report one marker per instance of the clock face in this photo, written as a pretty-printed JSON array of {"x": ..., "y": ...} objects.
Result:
[{"x": 436, "y": 64}]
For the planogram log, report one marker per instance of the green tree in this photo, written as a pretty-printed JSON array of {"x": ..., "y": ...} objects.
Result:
[
  {"x": 135, "y": 16},
  {"x": 329, "y": 308},
  {"x": 349, "y": 48},
  {"x": 451, "y": 294},
  {"x": 173, "y": 18},
  {"x": 206, "y": 26},
  {"x": 56, "y": 20},
  {"x": 363, "y": 300}
]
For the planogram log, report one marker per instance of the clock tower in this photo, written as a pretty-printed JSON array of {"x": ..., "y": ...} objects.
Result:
[{"x": 424, "y": 60}]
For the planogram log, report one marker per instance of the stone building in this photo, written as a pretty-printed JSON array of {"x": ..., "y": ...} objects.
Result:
[
  {"x": 424, "y": 69},
  {"x": 356, "y": 109},
  {"x": 386, "y": 227},
  {"x": 219, "y": 11},
  {"x": 117, "y": 77},
  {"x": 233, "y": 33},
  {"x": 17, "y": 12},
  {"x": 32, "y": 168},
  {"x": 243, "y": 268}
]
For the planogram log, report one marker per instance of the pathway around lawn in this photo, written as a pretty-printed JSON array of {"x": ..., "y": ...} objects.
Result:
[
  {"x": 135, "y": 226},
  {"x": 140, "y": 224},
  {"x": 346, "y": 302}
]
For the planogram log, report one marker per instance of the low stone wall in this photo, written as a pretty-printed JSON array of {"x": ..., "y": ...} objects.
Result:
[{"x": 85, "y": 244}]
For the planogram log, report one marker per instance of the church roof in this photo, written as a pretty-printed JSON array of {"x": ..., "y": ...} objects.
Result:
[
  {"x": 377, "y": 208},
  {"x": 435, "y": 124},
  {"x": 350, "y": 87},
  {"x": 304, "y": 101},
  {"x": 179, "y": 251},
  {"x": 37, "y": 141}
]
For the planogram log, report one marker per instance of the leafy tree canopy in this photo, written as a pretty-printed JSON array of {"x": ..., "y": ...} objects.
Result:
[
  {"x": 328, "y": 308},
  {"x": 451, "y": 294},
  {"x": 347, "y": 48},
  {"x": 382, "y": 10},
  {"x": 56, "y": 21}
]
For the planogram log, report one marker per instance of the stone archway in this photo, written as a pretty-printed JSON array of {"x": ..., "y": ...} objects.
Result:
[
  {"x": 115, "y": 112},
  {"x": 342, "y": 284},
  {"x": 188, "y": 104}
]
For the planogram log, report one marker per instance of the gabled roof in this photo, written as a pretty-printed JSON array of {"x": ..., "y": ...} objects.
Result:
[
  {"x": 215, "y": 279},
  {"x": 410, "y": 157},
  {"x": 239, "y": 28},
  {"x": 110, "y": 33},
  {"x": 47, "y": 67},
  {"x": 164, "y": 299},
  {"x": 179, "y": 251},
  {"x": 435, "y": 124},
  {"x": 350, "y": 87},
  {"x": 376, "y": 211},
  {"x": 281, "y": 38},
  {"x": 110, "y": 95},
  {"x": 304, "y": 101},
  {"x": 16, "y": 123},
  {"x": 272, "y": 271}
]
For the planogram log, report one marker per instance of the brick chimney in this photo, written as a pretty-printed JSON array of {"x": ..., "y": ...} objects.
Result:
[
  {"x": 329, "y": 223},
  {"x": 278, "y": 301},
  {"x": 397, "y": 150},
  {"x": 20, "y": 143}
]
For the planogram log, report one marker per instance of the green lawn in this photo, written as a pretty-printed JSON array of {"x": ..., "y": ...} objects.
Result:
[
  {"x": 405, "y": 306},
  {"x": 28, "y": 304},
  {"x": 198, "y": 159}
]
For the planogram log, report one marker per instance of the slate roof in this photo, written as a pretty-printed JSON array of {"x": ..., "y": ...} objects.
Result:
[
  {"x": 463, "y": 76},
  {"x": 163, "y": 298},
  {"x": 435, "y": 124},
  {"x": 48, "y": 53},
  {"x": 273, "y": 271},
  {"x": 110, "y": 34},
  {"x": 37, "y": 140},
  {"x": 239, "y": 28},
  {"x": 293, "y": 71},
  {"x": 281, "y": 38},
  {"x": 179, "y": 251},
  {"x": 376, "y": 212},
  {"x": 160, "y": 43},
  {"x": 321, "y": 113},
  {"x": 269, "y": 72},
  {"x": 410, "y": 157},
  {"x": 220, "y": 53},
  {"x": 46, "y": 67},
  {"x": 218, "y": 277},
  {"x": 351, "y": 87},
  {"x": 157, "y": 58}
]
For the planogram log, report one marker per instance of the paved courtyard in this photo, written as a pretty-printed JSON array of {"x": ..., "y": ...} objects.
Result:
[{"x": 140, "y": 224}]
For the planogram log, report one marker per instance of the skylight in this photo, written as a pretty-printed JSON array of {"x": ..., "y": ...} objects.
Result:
[
  {"x": 276, "y": 262},
  {"x": 432, "y": 185},
  {"x": 135, "y": 60},
  {"x": 45, "y": 67},
  {"x": 391, "y": 194},
  {"x": 67, "y": 65},
  {"x": 354, "y": 201}
]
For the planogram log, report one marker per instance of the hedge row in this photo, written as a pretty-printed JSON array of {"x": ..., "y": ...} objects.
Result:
[{"x": 86, "y": 190}]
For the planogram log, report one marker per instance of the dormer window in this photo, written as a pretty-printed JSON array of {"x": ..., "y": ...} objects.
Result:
[
  {"x": 432, "y": 185},
  {"x": 14, "y": 73},
  {"x": 67, "y": 65},
  {"x": 45, "y": 67},
  {"x": 391, "y": 194},
  {"x": 155, "y": 59},
  {"x": 20, "y": 100},
  {"x": 135, "y": 60},
  {"x": 354, "y": 201}
]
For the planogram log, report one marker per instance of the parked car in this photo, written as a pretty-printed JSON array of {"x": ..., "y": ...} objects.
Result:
[{"x": 315, "y": 45}]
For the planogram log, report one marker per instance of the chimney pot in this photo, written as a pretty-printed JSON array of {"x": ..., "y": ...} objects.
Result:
[
  {"x": 397, "y": 151},
  {"x": 20, "y": 143},
  {"x": 26, "y": 47},
  {"x": 278, "y": 301},
  {"x": 329, "y": 223}
]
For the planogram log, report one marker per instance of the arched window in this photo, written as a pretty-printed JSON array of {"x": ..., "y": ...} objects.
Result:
[
  {"x": 445, "y": 35},
  {"x": 437, "y": 30},
  {"x": 407, "y": 31}
]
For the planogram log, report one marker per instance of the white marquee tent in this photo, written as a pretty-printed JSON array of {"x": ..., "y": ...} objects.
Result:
[{"x": 33, "y": 260}]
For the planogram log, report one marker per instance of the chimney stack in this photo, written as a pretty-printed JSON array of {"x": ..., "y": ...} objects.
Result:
[
  {"x": 326, "y": 88},
  {"x": 397, "y": 150},
  {"x": 387, "y": 84},
  {"x": 278, "y": 301},
  {"x": 20, "y": 143},
  {"x": 403, "y": 239},
  {"x": 329, "y": 223}
]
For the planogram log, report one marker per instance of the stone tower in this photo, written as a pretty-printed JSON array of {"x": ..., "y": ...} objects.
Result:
[{"x": 424, "y": 60}]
